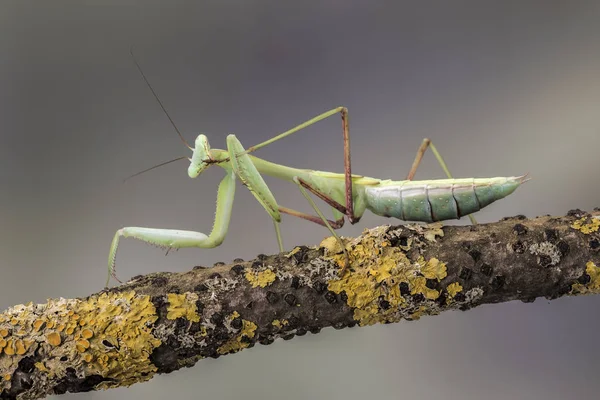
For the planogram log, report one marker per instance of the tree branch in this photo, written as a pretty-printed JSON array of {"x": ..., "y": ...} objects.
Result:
[{"x": 161, "y": 322}]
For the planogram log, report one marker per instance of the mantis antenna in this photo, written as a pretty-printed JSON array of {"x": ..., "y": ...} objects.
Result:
[
  {"x": 156, "y": 166},
  {"x": 158, "y": 100}
]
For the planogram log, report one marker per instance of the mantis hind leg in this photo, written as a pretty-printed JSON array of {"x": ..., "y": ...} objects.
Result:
[
  {"x": 325, "y": 222},
  {"x": 337, "y": 224},
  {"x": 422, "y": 149},
  {"x": 172, "y": 238},
  {"x": 343, "y": 111}
]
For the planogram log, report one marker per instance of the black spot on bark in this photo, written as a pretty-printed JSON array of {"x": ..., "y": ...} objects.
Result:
[
  {"x": 418, "y": 298},
  {"x": 404, "y": 289},
  {"x": 475, "y": 254},
  {"x": 295, "y": 282},
  {"x": 237, "y": 323},
  {"x": 320, "y": 287},
  {"x": 200, "y": 288},
  {"x": 518, "y": 247},
  {"x": 551, "y": 235},
  {"x": 343, "y": 296},
  {"x": 272, "y": 297},
  {"x": 164, "y": 358},
  {"x": 486, "y": 269},
  {"x": 563, "y": 248},
  {"x": 160, "y": 281},
  {"x": 520, "y": 229},
  {"x": 498, "y": 282},
  {"x": 577, "y": 213},
  {"x": 432, "y": 283},
  {"x": 584, "y": 279},
  {"x": 465, "y": 273},
  {"x": 330, "y": 297},
  {"x": 237, "y": 269},
  {"x": 290, "y": 299}
]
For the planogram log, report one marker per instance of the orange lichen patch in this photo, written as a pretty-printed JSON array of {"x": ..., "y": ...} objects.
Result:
[
  {"x": 53, "y": 338},
  {"x": 4, "y": 332},
  {"x": 593, "y": 286},
  {"x": 237, "y": 343},
  {"x": 75, "y": 333},
  {"x": 9, "y": 350},
  {"x": 377, "y": 269},
  {"x": 20, "y": 348},
  {"x": 82, "y": 345},
  {"x": 260, "y": 278},
  {"x": 587, "y": 226},
  {"x": 183, "y": 306},
  {"x": 87, "y": 333}
]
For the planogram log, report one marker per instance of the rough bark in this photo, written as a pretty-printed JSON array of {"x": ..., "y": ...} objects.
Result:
[{"x": 161, "y": 322}]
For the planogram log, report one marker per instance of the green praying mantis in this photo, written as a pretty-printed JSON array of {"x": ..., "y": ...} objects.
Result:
[{"x": 347, "y": 194}]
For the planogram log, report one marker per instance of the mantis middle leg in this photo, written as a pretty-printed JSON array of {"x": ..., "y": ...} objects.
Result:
[{"x": 420, "y": 152}]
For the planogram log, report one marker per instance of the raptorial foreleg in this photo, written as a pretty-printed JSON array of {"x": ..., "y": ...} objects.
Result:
[{"x": 177, "y": 239}]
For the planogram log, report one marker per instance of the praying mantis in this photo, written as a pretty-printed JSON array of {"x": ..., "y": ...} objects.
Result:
[{"x": 347, "y": 194}]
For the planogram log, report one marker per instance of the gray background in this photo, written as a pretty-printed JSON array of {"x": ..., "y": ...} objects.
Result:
[{"x": 502, "y": 87}]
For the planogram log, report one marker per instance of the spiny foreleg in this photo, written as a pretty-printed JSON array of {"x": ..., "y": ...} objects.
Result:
[
  {"x": 246, "y": 171},
  {"x": 172, "y": 238}
]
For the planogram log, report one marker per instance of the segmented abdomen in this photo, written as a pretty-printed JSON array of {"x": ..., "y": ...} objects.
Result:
[{"x": 438, "y": 200}]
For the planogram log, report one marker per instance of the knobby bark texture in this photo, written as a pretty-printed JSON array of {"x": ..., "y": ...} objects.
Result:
[{"x": 161, "y": 322}]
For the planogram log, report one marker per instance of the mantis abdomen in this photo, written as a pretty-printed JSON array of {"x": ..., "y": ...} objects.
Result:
[{"x": 437, "y": 200}]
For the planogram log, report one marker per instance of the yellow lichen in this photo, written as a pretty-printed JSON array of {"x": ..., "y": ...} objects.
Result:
[
  {"x": 87, "y": 333},
  {"x": 183, "y": 306},
  {"x": 433, "y": 269},
  {"x": 377, "y": 270},
  {"x": 280, "y": 323},
  {"x": 454, "y": 288},
  {"x": 587, "y": 227},
  {"x": 53, "y": 338},
  {"x": 82, "y": 345},
  {"x": 127, "y": 319},
  {"x": 593, "y": 286},
  {"x": 418, "y": 284},
  {"x": 237, "y": 343},
  {"x": 110, "y": 333},
  {"x": 260, "y": 278}
]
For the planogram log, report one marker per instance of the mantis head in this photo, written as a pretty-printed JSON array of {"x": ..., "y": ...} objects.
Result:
[{"x": 201, "y": 154}]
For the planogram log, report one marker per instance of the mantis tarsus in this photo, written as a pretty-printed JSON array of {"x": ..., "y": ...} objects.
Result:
[{"x": 349, "y": 195}]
